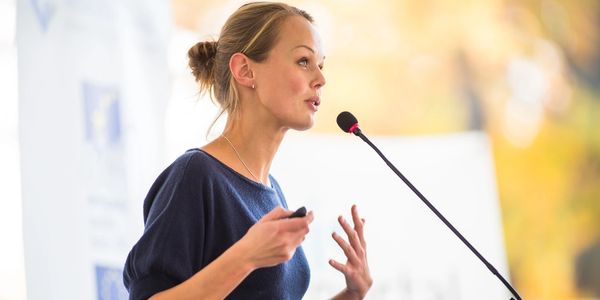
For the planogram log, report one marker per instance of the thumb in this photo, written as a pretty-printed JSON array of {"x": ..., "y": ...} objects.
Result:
[{"x": 275, "y": 214}]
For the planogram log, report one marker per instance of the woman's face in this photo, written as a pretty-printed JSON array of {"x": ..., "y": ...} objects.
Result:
[{"x": 288, "y": 83}]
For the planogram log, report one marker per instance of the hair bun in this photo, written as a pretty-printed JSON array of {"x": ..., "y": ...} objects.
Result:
[{"x": 202, "y": 60}]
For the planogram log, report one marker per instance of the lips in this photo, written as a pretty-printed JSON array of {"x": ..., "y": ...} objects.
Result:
[{"x": 315, "y": 101}]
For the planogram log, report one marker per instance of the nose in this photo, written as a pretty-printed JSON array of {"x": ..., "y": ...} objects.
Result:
[{"x": 319, "y": 81}]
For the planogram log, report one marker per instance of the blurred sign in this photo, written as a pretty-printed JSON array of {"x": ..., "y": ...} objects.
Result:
[
  {"x": 102, "y": 117},
  {"x": 91, "y": 97},
  {"x": 44, "y": 11},
  {"x": 109, "y": 282}
]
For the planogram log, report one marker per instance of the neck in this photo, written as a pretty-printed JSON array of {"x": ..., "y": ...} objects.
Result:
[
  {"x": 254, "y": 133},
  {"x": 256, "y": 144},
  {"x": 255, "y": 140}
]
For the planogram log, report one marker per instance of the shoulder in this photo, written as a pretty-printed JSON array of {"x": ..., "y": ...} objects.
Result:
[
  {"x": 194, "y": 168},
  {"x": 194, "y": 162},
  {"x": 191, "y": 157},
  {"x": 186, "y": 178}
]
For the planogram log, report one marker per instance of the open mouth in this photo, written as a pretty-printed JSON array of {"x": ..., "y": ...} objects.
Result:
[{"x": 314, "y": 102}]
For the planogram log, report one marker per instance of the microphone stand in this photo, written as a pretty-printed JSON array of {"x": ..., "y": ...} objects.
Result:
[{"x": 359, "y": 133}]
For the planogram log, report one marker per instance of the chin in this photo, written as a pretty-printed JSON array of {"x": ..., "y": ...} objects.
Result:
[{"x": 304, "y": 125}]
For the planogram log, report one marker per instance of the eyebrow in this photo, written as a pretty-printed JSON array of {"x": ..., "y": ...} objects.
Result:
[
  {"x": 307, "y": 47},
  {"x": 304, "y": 46}
]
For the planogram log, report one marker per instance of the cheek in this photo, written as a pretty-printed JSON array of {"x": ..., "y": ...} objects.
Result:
[
  {"x": 289, "y": 87},
  {"x": 296, "y": 84}
]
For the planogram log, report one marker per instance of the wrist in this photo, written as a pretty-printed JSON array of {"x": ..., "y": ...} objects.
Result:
[
  {"x": 242, "y": 254},
  {"x": 347, "y": 294},
  {"x": 355, "y": 294}
]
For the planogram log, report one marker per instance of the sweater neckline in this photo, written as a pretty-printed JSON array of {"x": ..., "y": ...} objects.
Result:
[{"x": 238, "y": 174}]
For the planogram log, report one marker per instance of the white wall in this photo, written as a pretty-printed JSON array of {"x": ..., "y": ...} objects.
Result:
[
  {"x": 412, "y": 254},
  {"x": 12, "y": 270}
]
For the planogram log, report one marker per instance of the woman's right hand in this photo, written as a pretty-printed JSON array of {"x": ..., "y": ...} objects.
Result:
[{"x": 274, "y": 238}]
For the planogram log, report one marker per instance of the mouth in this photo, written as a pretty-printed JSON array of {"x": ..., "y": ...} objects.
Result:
[{"x": 314, "y": 102}]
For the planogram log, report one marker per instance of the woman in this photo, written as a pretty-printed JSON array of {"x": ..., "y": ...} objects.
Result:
[{"x": 216, "y": 222}]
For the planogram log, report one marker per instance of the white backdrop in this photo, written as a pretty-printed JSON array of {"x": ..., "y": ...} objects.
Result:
[{"x": 412, "y": 254}]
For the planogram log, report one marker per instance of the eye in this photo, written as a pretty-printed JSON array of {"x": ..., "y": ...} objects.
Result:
[
  {"x": 303, "y": 62},
  {"x": 321, "y": 66}
]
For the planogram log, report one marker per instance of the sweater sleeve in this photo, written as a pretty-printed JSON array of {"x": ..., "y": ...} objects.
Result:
[{"x": 171, "y": 246}]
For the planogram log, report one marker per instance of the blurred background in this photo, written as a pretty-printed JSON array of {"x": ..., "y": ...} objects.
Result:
[{"x": 527, "y": 73}]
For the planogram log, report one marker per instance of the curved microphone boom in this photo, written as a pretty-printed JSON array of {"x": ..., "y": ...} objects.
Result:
[{"x": 349, "y": 123}]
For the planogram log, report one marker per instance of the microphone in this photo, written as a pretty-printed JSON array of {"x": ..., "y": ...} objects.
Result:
[{"x": 349, "y": 123}]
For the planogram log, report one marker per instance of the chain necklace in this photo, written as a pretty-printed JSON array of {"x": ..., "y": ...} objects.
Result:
[{"x": 240, "y": 158}]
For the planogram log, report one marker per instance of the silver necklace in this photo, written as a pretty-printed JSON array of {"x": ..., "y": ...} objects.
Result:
[{"x": 240, "y": 158}]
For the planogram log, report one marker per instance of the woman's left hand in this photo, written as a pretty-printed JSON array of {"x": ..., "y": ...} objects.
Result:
[{"x": 356, "y": 269}]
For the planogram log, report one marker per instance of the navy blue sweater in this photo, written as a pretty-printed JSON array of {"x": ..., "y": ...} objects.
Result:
[{"x": 196, "y": 209}]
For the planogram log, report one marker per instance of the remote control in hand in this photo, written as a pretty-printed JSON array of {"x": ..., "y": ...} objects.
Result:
[{"x": 299, "y": 213}]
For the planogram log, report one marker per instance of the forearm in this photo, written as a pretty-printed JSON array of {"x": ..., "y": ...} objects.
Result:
[{"x": 216, "y": 280}]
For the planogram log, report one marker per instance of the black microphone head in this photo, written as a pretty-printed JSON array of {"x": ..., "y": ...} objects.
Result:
[{"x": 347, "y": 121}]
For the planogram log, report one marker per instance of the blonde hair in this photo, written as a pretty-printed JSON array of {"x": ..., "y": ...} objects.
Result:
[{"x": 252, "y": 30}]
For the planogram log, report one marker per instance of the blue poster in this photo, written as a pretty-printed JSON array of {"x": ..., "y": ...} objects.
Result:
[
  {"x": 102, "y": 114},
  {"x": 44, "y": 12},
  {"x": 109, "y": 284}
]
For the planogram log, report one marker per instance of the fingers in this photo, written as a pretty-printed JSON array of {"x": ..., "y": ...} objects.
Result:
[
  {"x": 358, "y": 226},
  {"x": 275, "y": 214},
  {"x": 352, "y": 236},
  {"x": 356, "y": 269},
  {"x": 348, "y": 251},
  {"x": 296, "y": 224},
  {"x": 354, "y": 249},
  {"x": 338, "y": 266}
]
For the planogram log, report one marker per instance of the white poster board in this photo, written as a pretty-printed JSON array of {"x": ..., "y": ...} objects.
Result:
[{"x": 93, "y": 83}]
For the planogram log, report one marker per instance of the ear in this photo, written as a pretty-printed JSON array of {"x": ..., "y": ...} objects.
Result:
[{"x": 239, "y": 64}]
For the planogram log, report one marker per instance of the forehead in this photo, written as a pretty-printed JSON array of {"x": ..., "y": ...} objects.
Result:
[{"x": 296, "y": 31}]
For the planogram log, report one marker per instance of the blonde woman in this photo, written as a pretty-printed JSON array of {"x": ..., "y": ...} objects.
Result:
[{"x": 216, "y": 223}]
